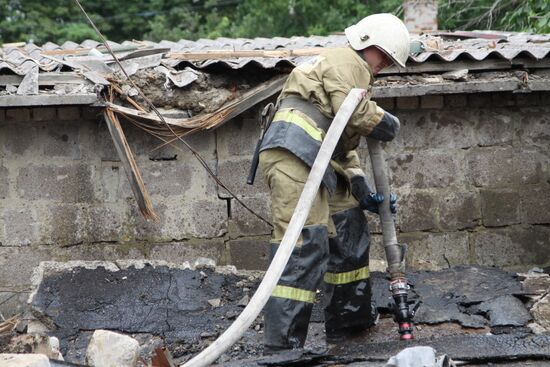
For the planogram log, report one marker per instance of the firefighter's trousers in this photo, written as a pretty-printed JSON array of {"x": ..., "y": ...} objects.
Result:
[{"x": 333, "y": 248}]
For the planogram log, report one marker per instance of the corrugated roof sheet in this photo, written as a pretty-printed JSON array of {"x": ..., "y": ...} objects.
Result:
[{"x": 506, "y": 46}]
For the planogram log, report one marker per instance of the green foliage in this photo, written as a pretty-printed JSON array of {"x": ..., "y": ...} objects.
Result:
[
  {"x": 505, "y": 15},
  {"x": 61, "y": 20}
]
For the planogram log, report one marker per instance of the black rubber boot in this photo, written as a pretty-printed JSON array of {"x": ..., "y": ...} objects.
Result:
[
  {"x": 349, "y": 309},
  {"x": 287, "y": 313}
]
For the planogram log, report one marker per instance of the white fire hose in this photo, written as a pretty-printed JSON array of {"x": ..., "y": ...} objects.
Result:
[{"x": 273, "y": 273}]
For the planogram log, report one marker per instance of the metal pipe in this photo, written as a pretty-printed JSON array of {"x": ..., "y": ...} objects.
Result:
[{"x": 273, "y": 273}]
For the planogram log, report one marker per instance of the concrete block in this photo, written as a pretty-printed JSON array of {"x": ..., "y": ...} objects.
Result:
[
  {"x": 504, "y": 166},
  {"x": 459, "y": 210},
  {"x": 100, "y": 251},
  {"x": 513, "y": 246},
  {"x": 148, "y": 146},
  {"x": 144, "y": 230},
  {"x": 188, "y": 251},
  {"x": 373, "y": 220},
  {"x": 69, "y": 183},
  {"x": 112, "y": 173},
  {"x": 431, "y": 102},
  {"x": 407, "y": 103},
  {"x": 61, "y": 140},
  {"x": 541, "y": 312},
  {"x": 237, "y": 137},
  {"x": 500, "y": 207},
  {"x": 67, "y": 224},
  {"x": 436, "y": 250},
  {"x": 18, "y": 114},
  {"x": 427, "y": 169},
  {"x": 250, "y": 253},
  {"x": 13, "y": 302},
  {"x": 166, "y": 178},
  {"x": 534, "y": 127},
  {"x": 376, "y": 250},
  {"x": 483, "y": 100},
  {"x": 527, "y": 99},
  {"x": 415, "y": 132},
  {"x": 207, "y": 219},
  {"x": 179, "y": 220},
  {"x": 109, "y": 349},
  {"x": 535, "y": 204},
  {"x": 100, "y": 143},
  {"x": 108, "y": 223},
  {"x": 21, "y": 226},
  {"x": 17, "y": 264},
  {"x": 4, "y": 182},
  {"x": 495, "y": 127},
  {"x": 504, "y": 99},
  {"x": 388, "y": 104},
  {"x": 456, "y": 100},
  {"x": 233, "y": 173},
  {"x": 18, "y": 139},
  {"x": 202, "y": 184},
  {"x": 71, "y": 113},
  {"x": 416, "y": 211},
  {"x": 24, "y": 360},
  {"x": 91, "y": 113},
  {"x": 44, "y": 114},
  {"x": 453, "y": 128},
  {"x": 244, "y": 223}
]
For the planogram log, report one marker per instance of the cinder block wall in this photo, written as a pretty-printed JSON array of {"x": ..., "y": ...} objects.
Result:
[{"x": 472, "y": 173}]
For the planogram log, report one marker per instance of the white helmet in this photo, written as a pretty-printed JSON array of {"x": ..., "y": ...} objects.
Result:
[{"x": 386, "y": 31}]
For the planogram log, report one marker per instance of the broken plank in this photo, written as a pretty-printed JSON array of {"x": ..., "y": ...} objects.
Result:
[
  {"x": 231, "y": 54},
  {"x": 443, "y": 66},
  {"x": 48, "y": 100},
  {"x": 130, "y": 166},
  {"x": 409, "y": 90},
  {"x": 80, "y": 51}
]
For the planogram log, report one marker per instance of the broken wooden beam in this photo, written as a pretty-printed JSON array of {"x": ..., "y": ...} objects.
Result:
[
  {"x": 230, "y": 54},
  {"x": 130, "y": 166}
]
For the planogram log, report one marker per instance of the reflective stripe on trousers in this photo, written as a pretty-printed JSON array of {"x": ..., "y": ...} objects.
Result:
[
  {"x": 295, "y": 294},
  {"x": 347, "y": 277}
]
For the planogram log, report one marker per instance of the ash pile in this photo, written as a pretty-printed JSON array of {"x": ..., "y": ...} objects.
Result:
[{"x": 164, "y": 313}]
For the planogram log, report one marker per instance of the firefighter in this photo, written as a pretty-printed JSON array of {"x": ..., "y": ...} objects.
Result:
[{"x": 334, "y": 243}]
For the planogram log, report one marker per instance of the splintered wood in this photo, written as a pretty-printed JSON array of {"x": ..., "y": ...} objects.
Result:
[
  {"x": 130, "y": 166},
  {"x": 8, "y": 325},
  {"x": 229, "y": 54}
]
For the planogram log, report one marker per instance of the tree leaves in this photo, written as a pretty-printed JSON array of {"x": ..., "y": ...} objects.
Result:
[{"x": 60, "y": 20}]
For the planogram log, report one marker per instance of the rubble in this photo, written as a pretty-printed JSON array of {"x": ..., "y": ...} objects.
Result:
[
  {"x": 200, "y": 92},
  {"x": 541, "y": 312},
  {"x": 109, "y": 349},
  {"x": 24, "y": 360},
  {"x": 184, "y": 308}
]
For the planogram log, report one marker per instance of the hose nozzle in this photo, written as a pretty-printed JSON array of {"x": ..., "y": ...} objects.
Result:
[{"x": 403, "y": 315}]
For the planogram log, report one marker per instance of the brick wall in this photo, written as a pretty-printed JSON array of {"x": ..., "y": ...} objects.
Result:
[{"x": 472, "y": 173}]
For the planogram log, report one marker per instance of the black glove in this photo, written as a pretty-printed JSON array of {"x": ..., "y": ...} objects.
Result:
[
  {"x": 387, "y": 128},
  {"x": 369, "y": 200}
]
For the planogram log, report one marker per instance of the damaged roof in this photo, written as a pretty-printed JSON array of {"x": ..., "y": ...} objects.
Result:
[{"x": 72, "y": 73}]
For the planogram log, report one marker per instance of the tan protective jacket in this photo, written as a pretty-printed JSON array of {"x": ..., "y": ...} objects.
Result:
[{"x": 326, "y": 82}]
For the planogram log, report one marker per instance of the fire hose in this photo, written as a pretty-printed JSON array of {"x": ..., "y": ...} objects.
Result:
[
  {"x": 395, "y": 253},
  {"x": 273, "y": 273}
]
